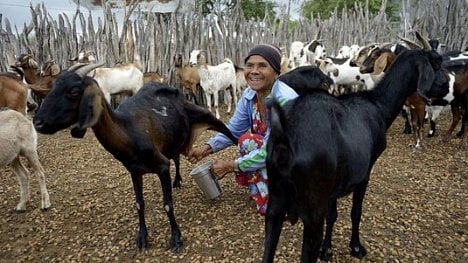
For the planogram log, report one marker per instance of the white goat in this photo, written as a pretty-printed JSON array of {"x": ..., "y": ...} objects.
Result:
[
  {"x": 345, "y": 74},
  {"x": 213, "y": 79},
  {"x": 295, "y": 54},
  {"x": 19, "y": 138},
  {"x": 119, "y": 79},
  {"x": 311, "y": 52},
  {"x": 122, "y": 78}
]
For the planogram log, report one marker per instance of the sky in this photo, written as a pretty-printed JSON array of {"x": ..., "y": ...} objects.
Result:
[{"x": 18, "y": 11}]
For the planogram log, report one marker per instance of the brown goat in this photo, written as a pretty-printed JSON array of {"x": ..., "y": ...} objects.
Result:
[
  {"x": 188, "y": 77},
  {"x": 143, "y": 133},
  {"x": 32, "y": 72},
  {"x": 13, "y": 93},
  {"x": 377, "y": 62},
  {"x": 152, "y": 76}
]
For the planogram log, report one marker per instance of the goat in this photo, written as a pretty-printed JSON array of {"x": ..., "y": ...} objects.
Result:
[
  {"x": 345, "y": 75},
  {"x": 40, "y": 81},
  {"x": 18, "y": 138},
  {"x": 143, "y": 133},
  {"x": 307, "y": 174},
  {"x": 13, "y": 92},
  {"x": 304, "y": 78},
  {"x": 122, "y": 78},
  {"x": 459, "y": 104},
  {"x": 312, "y": 51},
  {"x": 378, "y": 62},
  {"x": 241, "y": 82},
  {"x": 32, "y": 71},
  {"x": 214, "y": 79},
  {"x": 188, "y": 77},
  {"x": 152, "y": 76},
  {"x": 295, "y": 52}
]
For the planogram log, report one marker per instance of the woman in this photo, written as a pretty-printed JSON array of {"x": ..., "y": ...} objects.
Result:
[{"x": 262, "y": 67}]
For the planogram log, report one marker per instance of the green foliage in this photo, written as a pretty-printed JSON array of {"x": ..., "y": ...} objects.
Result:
[
  {"x": 257, "y": 9},
  {"x": 253, "y": 9},
  {"x": 325, "y": 8}
]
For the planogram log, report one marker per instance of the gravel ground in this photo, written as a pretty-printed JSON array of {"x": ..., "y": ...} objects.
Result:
[{"x": 414, "y": 211}]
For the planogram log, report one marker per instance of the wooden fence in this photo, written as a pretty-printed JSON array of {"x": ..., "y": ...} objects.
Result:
[{"x": 153, "y": 39}]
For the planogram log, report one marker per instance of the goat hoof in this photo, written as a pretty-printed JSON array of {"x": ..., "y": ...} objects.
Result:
[
  {"x": 141, "y": 242},
  {"x": 177, "y": 185},
  {"x": 20, "y": 210},
  {"x": 325, "y": 254},
  {"x": 359, "y": 252},
  {"x": 176, "y": 245}
]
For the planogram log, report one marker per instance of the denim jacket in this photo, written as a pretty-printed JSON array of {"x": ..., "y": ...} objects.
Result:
[{"x": 241, "y": 122}]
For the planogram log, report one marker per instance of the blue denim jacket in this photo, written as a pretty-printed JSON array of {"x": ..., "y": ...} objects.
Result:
[{"x": 241, "y": 122}]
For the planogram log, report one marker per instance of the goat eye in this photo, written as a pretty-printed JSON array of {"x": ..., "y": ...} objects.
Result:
[{"x": 74, "y": 93}]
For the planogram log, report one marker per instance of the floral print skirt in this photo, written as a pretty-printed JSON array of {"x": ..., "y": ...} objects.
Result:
[{"x": 256, "y": 180}]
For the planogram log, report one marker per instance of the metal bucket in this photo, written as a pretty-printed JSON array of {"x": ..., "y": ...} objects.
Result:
[{"x": 207, "y": 182}]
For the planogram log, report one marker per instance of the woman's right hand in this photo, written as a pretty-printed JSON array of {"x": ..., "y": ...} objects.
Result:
[{"x": 196, "y": 154}]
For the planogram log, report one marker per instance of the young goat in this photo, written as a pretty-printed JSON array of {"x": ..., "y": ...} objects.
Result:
[
  {"x": 19, "y": 138},
  {"x": 143, "y": 133},
  {"x": 214, "y": 79},
  {"x": 307, "y": 174}
]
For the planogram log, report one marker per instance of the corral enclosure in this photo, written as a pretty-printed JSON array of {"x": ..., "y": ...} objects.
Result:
[
  {"x": 154, "y": 38},
  {"x": 414, "y": 211}
]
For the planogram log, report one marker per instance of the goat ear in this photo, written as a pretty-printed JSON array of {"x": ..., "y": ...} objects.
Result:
[
  {"x": 380, "y": 64},
  {"x": 276, "y": 119},
  {"x": 90, "y": 109},
  {"x": 425, "y": 79}
]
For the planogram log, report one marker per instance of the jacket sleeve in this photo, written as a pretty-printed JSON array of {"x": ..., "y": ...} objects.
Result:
[{"x": 238, "y": 125}]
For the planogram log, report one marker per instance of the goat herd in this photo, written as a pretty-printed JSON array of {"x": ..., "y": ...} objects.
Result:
[{"x": 307, "y": 174}]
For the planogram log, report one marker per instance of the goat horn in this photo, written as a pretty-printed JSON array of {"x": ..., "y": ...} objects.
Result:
[
  {"x": 410, "y": 43},
  {"x": 83, "y": 68},
  {"x": 423, "y": 41},
  {"x": 76, "y": 66},
  {"x": 82, "y": 71}
]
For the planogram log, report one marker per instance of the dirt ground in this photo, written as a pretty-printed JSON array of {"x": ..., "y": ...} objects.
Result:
[{"x": 415, "y": 210}]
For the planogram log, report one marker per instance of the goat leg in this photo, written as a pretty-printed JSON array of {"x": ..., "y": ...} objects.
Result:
[
  {"x": 165, "y": 178},
  {"x": 273, "y": 227},
  {"x": 357, "y": 250},
  {"x": 311, "y": 239},
  {"x": 177, "y": 183},
  {"x": 38, "y": 171},
  {"x": 141, "y": 239},
  {"x": 332, "y": 215},
  {"x": 22, "y": 176}
]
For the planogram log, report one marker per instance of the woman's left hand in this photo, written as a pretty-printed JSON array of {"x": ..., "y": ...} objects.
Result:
[{"x": 221, "y": 167}]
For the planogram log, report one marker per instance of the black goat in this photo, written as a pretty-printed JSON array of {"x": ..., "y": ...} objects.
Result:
[
  {"x": 307, "y": 174},
  {"x": 143, "y": 133},
  {"x": 304, "y": 78}
]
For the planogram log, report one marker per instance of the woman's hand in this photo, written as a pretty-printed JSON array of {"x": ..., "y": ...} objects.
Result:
[
  {"x": 196, "y": 154},
  {"x": 221, "y": 167}
]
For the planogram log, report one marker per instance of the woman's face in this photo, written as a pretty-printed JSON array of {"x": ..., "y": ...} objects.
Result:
[{"x": 259, "y": 74}]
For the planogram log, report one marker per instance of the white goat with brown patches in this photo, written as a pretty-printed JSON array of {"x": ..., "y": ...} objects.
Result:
[
  {"x": 19, "y": 138},
  {"x": 213, "y": 79}
]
